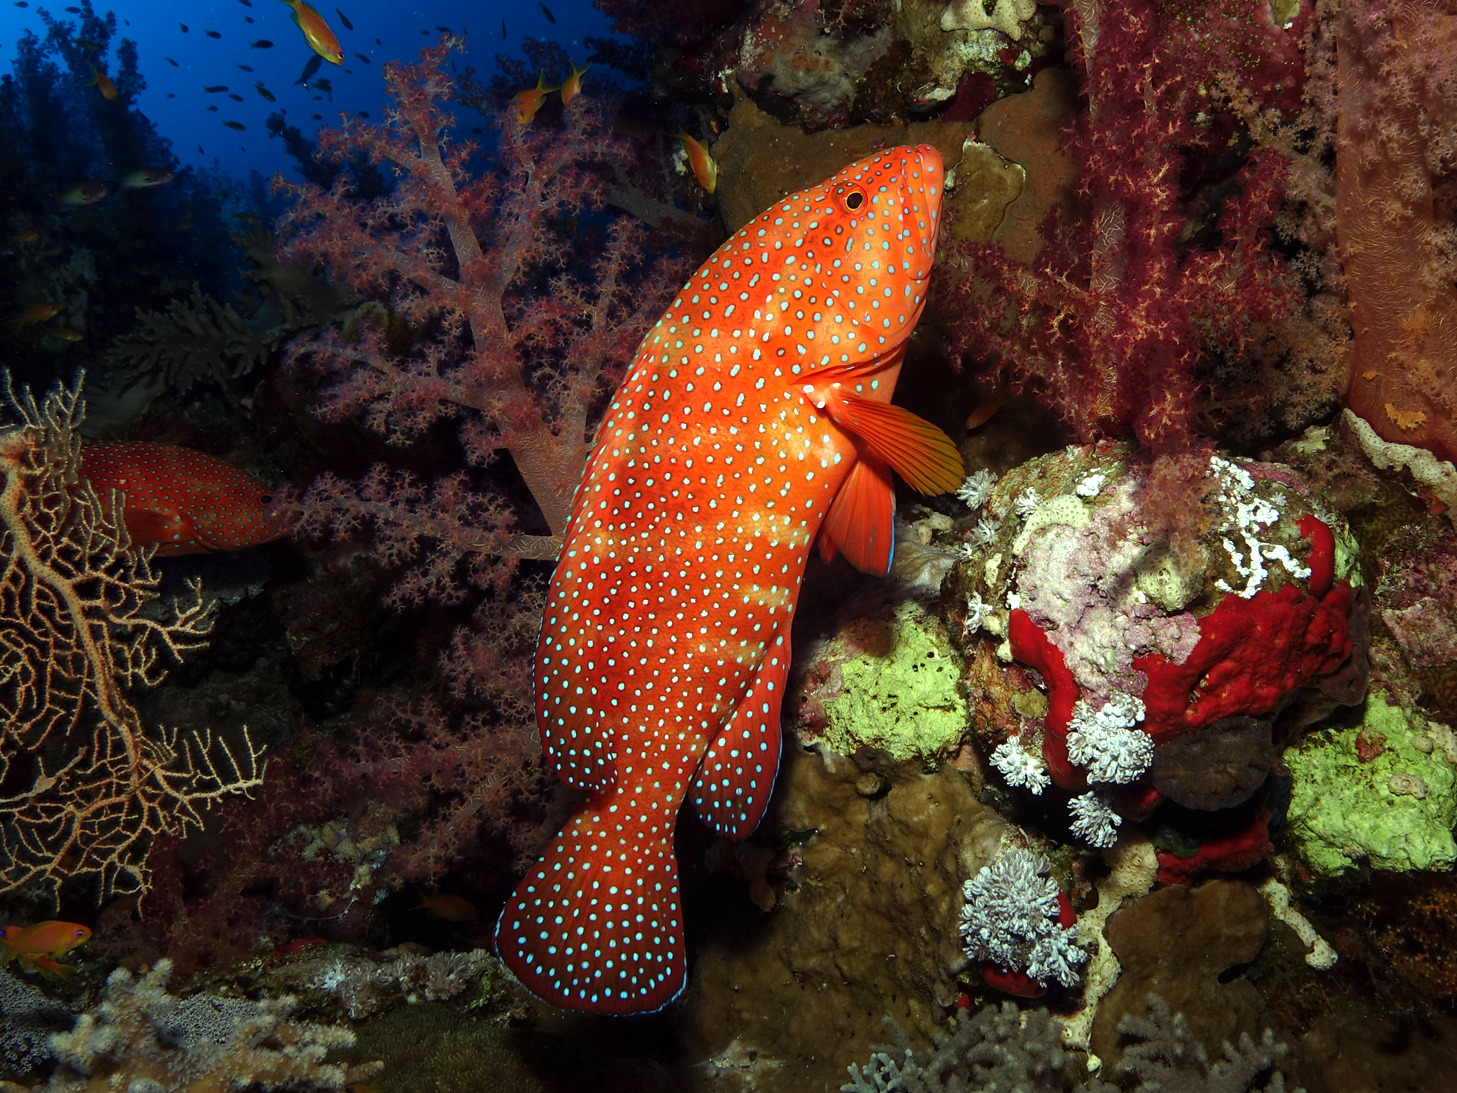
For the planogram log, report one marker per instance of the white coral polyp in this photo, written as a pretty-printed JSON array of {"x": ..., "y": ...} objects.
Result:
[
  {"x": 1094, "y": 820},
  {"x": 1010, "y": 919},
  {"x": 1105, "y": 742}
]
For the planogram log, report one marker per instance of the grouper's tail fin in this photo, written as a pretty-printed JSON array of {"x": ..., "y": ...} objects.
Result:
[{"x": 597, "y": 924}]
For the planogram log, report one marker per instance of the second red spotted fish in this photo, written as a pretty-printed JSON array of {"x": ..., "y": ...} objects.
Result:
[
  {"x": 756, "y": 417},
  {"x": 182, "y": 501}
]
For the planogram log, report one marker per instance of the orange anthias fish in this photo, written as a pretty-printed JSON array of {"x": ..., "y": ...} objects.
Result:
[
  {"x": 182, "y": 501},
  {"x": 528, "y": 102},
  {"x": 756, "y": 417},
  {"x": 42, "y": 945},
  {"x": 104, "y": 84},
  {"x": 573, "y": 86},
  {"x": 705, "y": 167},
  {"x": 36, "y": 313},
  {"x": 316, "y": 32}
]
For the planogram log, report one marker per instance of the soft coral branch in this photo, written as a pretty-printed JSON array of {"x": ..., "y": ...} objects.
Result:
[
  {"x": 499, "y": 315},
  {"x": 1130, "y": 301}
]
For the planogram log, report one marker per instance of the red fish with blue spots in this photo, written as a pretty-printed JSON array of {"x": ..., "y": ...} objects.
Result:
[
  {"x": 180, "y": 500},
  {"x": 755, "y": 419}
]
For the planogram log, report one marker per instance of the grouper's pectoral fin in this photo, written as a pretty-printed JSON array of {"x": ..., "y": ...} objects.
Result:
[
  {"x": 860, "y": 521},
  {"x": 911, "y": 446},
  {"x": 731, "y": 788}
]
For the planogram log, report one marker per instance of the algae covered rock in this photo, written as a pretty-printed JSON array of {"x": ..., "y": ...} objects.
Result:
[
  {"x": 1383, "y": 792},
  {"x": 898, "y": 688}
]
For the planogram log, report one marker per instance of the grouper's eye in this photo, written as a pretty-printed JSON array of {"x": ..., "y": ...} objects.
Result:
[{"x": 853, "y": 201}]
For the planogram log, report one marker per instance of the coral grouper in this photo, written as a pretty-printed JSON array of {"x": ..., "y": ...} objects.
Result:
[{"x": 756, "y": 415}]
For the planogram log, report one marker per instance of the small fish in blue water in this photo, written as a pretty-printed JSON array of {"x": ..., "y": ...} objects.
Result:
[
  {"x": 344, "y": 20},
  {"x": 363, "y": 58},
  {"x": 239, "y": 126},
  {"x": 550, "y": 18},
  {"x": 215, "y": 88},
  {"x": 103, "y": 83},
  {"x": 88, "y": 192},
  {"x": 183, "y": 26},
  {"x": 269, "y": 95},
  {"x": 212, "y": 33},
  {"x": 309, "y": 69},
  {"x": 171, "y": 62},
  {"x": 261, "y": 43},
  {"x": 246, "y": 68},
  {"x": 146, "y": 177},
  {"x": 235, "y": 96},
  {"x": 503, "y": 30}
]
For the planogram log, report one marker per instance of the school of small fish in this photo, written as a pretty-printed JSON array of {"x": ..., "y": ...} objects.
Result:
[{"x": 755, "y": 419}]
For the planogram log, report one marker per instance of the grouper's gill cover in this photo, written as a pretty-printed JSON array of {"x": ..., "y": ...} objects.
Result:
[{"x": 755, "y": 416}]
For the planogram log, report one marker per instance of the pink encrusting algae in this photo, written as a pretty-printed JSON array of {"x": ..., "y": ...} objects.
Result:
[{"x": 755, "y": 416}]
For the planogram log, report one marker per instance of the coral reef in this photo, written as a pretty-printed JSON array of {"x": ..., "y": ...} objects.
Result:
[
  {"x": 1397, "y": 88},
  {"x": 1018, "y": 920},
  {"x": 1176, "y": 660},
  {"x": 519, "y": 368},
  {"x": 1131, "y": 300},
  {"x": 1001, "y": 1050},
  {"x": 1190, "y": 946},
  {"x": 364, "y": 984},
  {"x": 896, "y": 683},
  {"x": 143, "y": 1039},
  {"x": 28, "y": 1017},
  {"x": 868, "y": 868}
]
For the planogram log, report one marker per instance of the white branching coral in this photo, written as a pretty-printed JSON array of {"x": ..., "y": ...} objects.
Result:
[
  {"x": 1094, "y": 820},
  {"x": 1105, "y": 743},
  {"x": 1250, "y": 515},
  {"x": 1020, "y": 767},
  {"x": 977, "y": 489},
  {"x": 1010, "y": 919}
]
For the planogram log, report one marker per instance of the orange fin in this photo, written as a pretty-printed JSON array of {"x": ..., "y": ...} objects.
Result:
[
  {"x": 914, "y": 448},
  {"x": 50, "y": 966},
  {"x": 861, "y": 521}
]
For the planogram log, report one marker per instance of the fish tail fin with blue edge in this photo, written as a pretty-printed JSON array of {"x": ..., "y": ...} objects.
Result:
[{"x": 598, "y": 923}]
